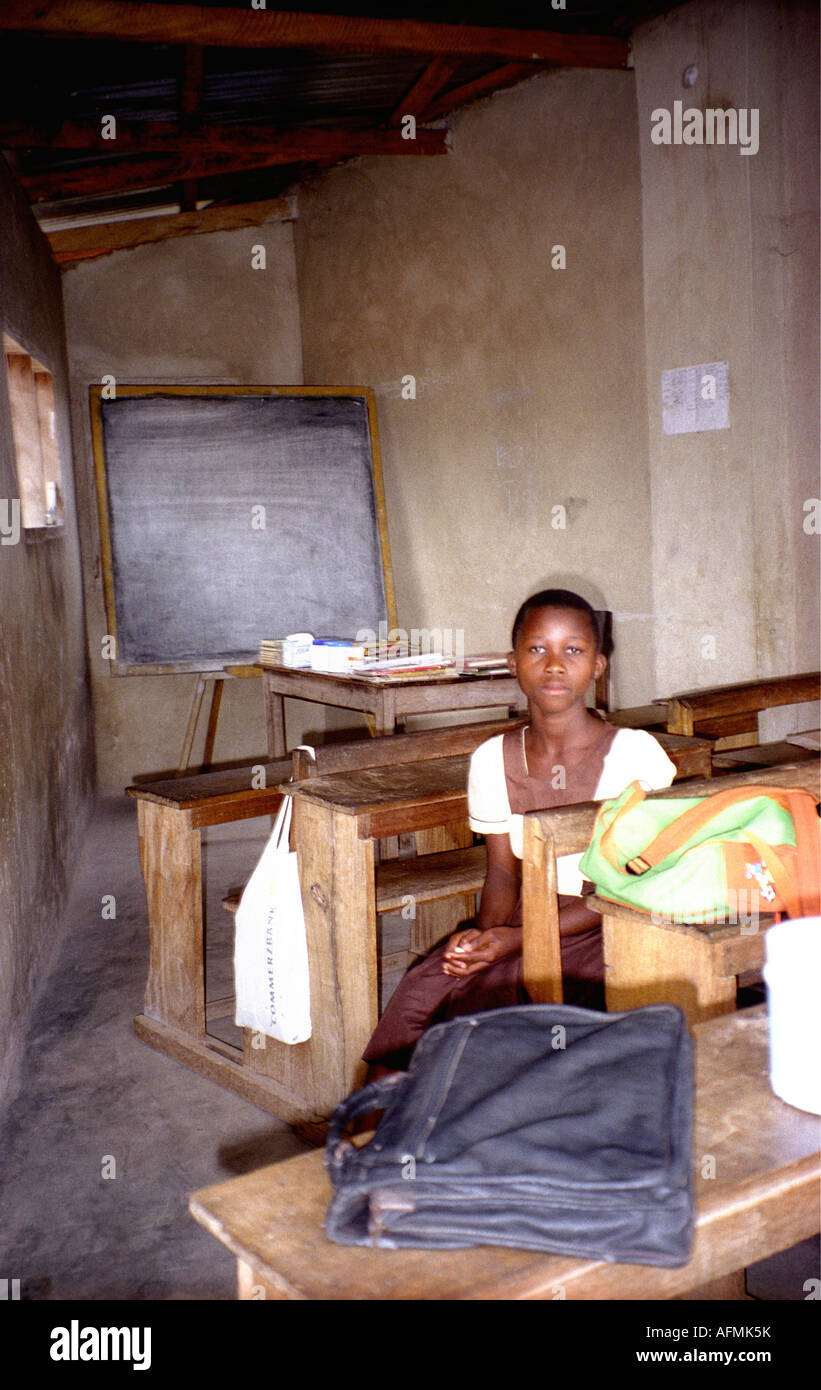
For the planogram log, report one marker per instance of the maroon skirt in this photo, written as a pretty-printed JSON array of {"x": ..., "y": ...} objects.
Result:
[{"x": 426, "y": 995}]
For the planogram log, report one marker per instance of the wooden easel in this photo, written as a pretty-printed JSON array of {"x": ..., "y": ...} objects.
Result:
[{"x": 218, "y": 679}]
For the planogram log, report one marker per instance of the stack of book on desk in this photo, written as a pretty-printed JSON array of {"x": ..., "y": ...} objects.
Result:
[
  {"x": 488, "y": 664},
  {"x": 270, "y": 652},
  {"x": 418, "y": 667}
]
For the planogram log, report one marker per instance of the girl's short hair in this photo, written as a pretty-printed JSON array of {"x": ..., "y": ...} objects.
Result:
[{"x": 559, "y": 598}]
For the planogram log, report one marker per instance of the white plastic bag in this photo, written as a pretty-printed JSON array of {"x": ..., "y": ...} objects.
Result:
[{"x": 270, "y": 949}]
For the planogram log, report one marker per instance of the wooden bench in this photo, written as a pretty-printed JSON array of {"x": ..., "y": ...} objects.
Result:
[
  {"x": 693, "y": 966},
  {"x": 730, "y": 713},
  {"x": 214, "y": 798}
]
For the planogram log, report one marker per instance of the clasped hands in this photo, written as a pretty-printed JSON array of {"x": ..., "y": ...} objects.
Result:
[{"x": 472, "y": 950}]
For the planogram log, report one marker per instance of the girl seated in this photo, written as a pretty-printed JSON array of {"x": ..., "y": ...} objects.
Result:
[{"x": 565, "y": 754}]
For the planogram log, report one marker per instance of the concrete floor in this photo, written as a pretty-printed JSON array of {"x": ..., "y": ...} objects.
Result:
[
  {"x": 107, "y": 1138},
  {"x": 91, "y": 1093}
]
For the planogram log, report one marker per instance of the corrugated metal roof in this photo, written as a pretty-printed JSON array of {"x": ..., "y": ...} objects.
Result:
[{"x": 45, "y": 81}]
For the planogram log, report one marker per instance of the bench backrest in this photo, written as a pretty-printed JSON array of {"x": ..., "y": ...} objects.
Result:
[{"x": 449, "y": 742}]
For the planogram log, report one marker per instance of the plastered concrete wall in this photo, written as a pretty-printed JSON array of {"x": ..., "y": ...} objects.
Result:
[
  {"x": 187, "y": 310},
  {"x": 46, "y": 768},
  {"x": 529, "y": 380},
  {"x": 731, "y": 274}
]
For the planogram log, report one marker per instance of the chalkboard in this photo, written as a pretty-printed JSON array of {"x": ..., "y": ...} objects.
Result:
[{"x": 232, "y": 514}]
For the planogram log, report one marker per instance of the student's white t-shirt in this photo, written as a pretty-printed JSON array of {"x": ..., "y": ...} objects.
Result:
[{"x": 633, "y": 756}]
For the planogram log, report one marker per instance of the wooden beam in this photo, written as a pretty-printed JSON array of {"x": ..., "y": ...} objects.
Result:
[
  {"x": 495, "y": 81},
  {"x": 424, "y": 89},
  {"x": 301, "y": 147},
  {"x": 84, "y": 243},
  {"x": 219, "y": 27},
  {"x": 166, "y": 137}
]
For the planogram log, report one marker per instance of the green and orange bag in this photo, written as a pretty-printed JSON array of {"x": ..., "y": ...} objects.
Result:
[{"x": 691, "y": 859}]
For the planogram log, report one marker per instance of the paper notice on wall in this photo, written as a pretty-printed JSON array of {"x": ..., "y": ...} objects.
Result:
[{"x": 695, "y": 398}]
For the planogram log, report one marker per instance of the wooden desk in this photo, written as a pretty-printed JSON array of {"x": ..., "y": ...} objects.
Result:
[
  {"x": 685, "y": 965},
  {"x": 693, "y": 966},
  {"x": 337, "y": 819},
  {"x": 730, "y": 713},
  {"x": 386, "y": 702},
  {"x": 763, "y": 755},
  {"x": 764, "y": 1197}
]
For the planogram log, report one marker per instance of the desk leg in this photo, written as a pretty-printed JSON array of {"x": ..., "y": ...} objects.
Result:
[
  {"x": 646, "y": 964},
  {"x": 679, "y": 719},
  {"x": 171, "y": 864},
  {"x": 385, "y": 713},
  {"x": 274, "y": 721}
]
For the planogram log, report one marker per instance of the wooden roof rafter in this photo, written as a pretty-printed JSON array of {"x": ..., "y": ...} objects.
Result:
[
  {"x": 84, "y": 243},
  {"x": 196, "y": 157},
  {"x": 427, "y": 86},
  {"x": 67, "y": 161},
  {"x": 151, "y": 22},
  {"x": 166, "y": 137},
  {"x": 494, "y": 81}
]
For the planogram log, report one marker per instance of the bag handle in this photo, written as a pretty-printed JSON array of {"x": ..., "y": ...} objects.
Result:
[
  {"x": 675, "y": 835},
  {"x": 282, "y": 825},
  {"x": 375, "y": 1096},
  {"x": 607, "y": 846}
]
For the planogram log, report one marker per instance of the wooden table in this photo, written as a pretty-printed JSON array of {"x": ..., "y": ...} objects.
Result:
[
  {"x": 337, "y": 822},
  {"x": 760, "y": 1194},
  {"x": 385, "y": 701}
]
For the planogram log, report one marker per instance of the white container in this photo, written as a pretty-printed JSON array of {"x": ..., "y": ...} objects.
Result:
[
  {"x": 296, "y": 649},
  {"x": 793, "y": 976},
  {"x": 335, "y": 655}
]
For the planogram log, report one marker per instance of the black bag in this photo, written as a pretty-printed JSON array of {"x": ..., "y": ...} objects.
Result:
[{"x": 542, "y": 1126}]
